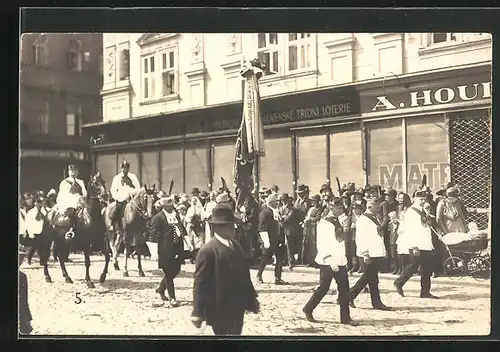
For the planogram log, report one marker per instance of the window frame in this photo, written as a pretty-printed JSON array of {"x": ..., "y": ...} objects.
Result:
[
  {"x": 40, "y": 50},
  {"x": 75, "y": 48},
  {"x": 172, "y": 50},
  {"x": 75, "y": 110},
  {"x": 306, "y": 42},
  {"x": 42, "y": 119},
  {"x": 149, "y": 75},
  {"x": 123, "y": 66},
  {"x": 270, "y": 49}
]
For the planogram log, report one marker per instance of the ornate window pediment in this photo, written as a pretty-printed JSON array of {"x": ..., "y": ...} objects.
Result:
[{"x": 149, "y": 38}]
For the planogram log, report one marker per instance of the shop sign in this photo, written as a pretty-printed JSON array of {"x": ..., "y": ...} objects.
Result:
[
  {"x": 299, "y": 107},
  {"x": 30, "y": 153},
  {"x": 444, "y": 93},
  {"x": 392, "y": 175}
]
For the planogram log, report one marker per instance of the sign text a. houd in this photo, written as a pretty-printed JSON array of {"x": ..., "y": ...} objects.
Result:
[{"x": 433, "y": 96}]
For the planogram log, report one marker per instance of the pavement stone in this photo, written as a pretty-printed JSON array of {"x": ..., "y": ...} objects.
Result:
[{"x": 129, "y": 305}]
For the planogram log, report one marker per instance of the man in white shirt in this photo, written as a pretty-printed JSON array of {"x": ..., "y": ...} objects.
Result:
[
  {"x": 122, "y": 189},
  {"x": 370, "y": 246},
  {"x": 71, "y": 190},
  {"x": 332, "y": 260},
  {"x": 419, "y": 237}
]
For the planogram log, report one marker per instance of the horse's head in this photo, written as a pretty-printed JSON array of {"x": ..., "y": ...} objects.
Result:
[
  {"x": 144, "y": 198},
  {"x": 98, "y": 187}
]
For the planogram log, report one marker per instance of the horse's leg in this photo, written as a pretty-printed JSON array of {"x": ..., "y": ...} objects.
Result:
[
  {"x": 106, "y": 249},
  {"x": 125, "y": 252},
  {"x": 86, "y": 253},
  {"x": 139, "y": 265},
  {"x": 63, "y": 250},
  {"x": 44, "y": 252}
]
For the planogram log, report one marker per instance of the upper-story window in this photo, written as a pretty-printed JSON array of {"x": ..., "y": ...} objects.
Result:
[
  {"x": 299, "y": 51},
  {"x": 124, "y": 64},
  {"x": 443, "y": 37},
  {"x": 285, "y": 53},
  {"x": 74, "y": 56},
  {"x": 40, "y": 50},
  {"x": 269, "y": 52},
  {"x": 148, "y": 80},
  {"x": 73, "y": 119},
  {"x": 160, "y": 74},
  {"x": 40, "y": 112},
  {"x": 168, "y": 73}
]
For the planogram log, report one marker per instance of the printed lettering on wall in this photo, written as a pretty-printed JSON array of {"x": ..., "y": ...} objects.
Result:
[
  {"x": 429, "y": 97},
  {"x": 392, "y": 175}
]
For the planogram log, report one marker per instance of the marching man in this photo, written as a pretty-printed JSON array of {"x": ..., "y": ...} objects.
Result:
[
  {"x": 124, "y": 185},
  {"x": 419, "y": 237},
  {"x": 332, "y": 261},
  {"x": 71, "y": 190},
  {"x": 370, "y": 246}
]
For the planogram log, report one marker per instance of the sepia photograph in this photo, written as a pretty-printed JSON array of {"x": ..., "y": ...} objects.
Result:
[{"x": 255, "y": 184}]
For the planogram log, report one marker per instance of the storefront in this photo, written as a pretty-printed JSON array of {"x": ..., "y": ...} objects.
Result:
[
  {"x": 433, "y": 124},
  {"x": 196, "y": 148}
]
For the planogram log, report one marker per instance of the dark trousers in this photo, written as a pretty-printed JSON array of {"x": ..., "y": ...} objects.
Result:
[
  {"x": 118, "y": 214},
  {"x": 293, "y": 247},
  {"x": 278, "y": 252},
  {"x": 370, "y": 278},
  {"x": 167, "y": 283},
  {"x": 350, "y": 253},
  {"x": 326, "y": 274},
  {"x": 228, "y": 326},
  {"x": 425, "y": 260}
]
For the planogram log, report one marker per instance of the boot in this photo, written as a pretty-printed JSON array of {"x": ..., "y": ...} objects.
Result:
[
  {"x": 375, "y": 298},
  {"x": 400, "y": 264},
  {"x": 395, "y": 266},
  {"x": 345, "y": 317}
]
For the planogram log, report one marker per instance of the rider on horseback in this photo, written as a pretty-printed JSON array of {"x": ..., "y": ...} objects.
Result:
[
  {"x": 123, "y": 186},
  {"x": 71, "y": 192}
]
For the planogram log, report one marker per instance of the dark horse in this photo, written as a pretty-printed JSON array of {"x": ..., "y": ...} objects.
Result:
[
  {"x": 130, "y": 235},
  {"x": 97, "y": 200},
  {"x": 73, "y": 227}
]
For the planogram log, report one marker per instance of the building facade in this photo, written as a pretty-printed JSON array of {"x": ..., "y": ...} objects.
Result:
[
  {"x": 60, "y": 82},
  {"x": 378, "y": 108}
]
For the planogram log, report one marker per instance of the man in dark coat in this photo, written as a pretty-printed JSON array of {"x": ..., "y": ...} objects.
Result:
[
  {"x": 168, "y": 228},
  {"x": 250, "y": 221},
  {"x": 273, "y": 239},
  {"x": 291, "y": 218},
  {"x": 25, "y": 317},
  {"x": 222, "y": 290},
  {"x": 387, "y": 206}
]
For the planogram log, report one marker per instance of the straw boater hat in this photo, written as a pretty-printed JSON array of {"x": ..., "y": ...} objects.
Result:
[
  {"x": 315, "y": 198},
  {"x": 452, "y": 192},
  {"x": 443, "y": 189}
]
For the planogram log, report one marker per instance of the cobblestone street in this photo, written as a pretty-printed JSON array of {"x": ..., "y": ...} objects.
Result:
[{"x": 129, "y": 306}]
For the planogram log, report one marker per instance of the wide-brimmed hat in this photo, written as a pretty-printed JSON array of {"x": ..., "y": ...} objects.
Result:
[
  {"x": 360, "y": 191},
  {"x": 452, "y": 192},
  {"x": 195, "y": 191},
  {"x": 391, "y": 192},
  {"x": 314, "y": 198},
  {"x": 443, "y": 189},
  {"x": 284, "y": 197},
  {"x": 222, "y": 213},
  {"x": 374, "y": 200},
  {"x": 419, "y": 193},
  {"x": 325, "y": 187},
  {"x": 336, "y": 202},
  {"x": 302, "y": 189},
  {"x": 166, "y": 201},
  {"x": 221, "y": 198},
  {"x": 263, "y": 190}
]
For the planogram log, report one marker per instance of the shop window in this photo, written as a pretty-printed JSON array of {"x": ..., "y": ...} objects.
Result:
[
  {"x": 148, "y": 81},
  {"x": 268, "y": 52},
  {"x": 74, "y": 56},
  {"x": 40, "y": 50},
  {"x": 168, "y": 73},
  {"x": 299, "y": 51},
  {"x": 124, "y": 62}
]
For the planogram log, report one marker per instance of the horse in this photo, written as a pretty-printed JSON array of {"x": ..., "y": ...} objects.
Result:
[
  {"x": 97, "y": 200},
  {"x": 73, "y": 227},
  {"x": 136, "y": 215}
]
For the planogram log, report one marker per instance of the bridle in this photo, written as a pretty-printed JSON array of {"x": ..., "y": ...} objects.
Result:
[{"x": 140, "y": 209}]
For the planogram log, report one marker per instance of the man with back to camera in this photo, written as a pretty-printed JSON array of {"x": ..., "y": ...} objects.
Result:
[{"x": 222, "y": 289}]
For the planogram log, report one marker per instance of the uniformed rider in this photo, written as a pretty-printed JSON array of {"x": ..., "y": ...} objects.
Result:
[
  {"x": 124, "y": 185},
  {"x": 71, "y": 190}
]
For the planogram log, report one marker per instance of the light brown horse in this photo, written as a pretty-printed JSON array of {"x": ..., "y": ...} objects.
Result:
[{"x": 130, "y": 235}]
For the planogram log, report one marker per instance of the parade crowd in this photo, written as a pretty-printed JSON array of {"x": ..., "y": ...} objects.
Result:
[{"x": 362, "y": 229}]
